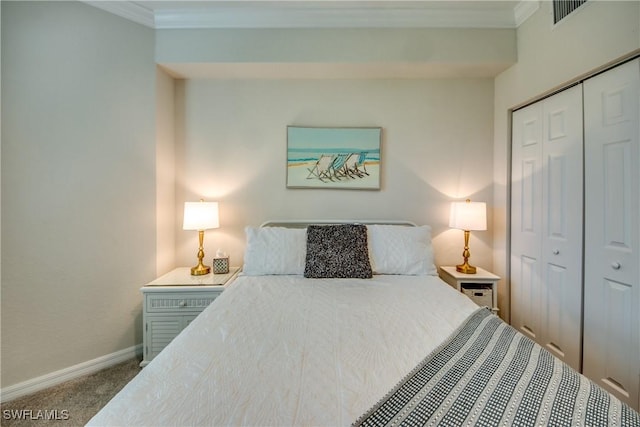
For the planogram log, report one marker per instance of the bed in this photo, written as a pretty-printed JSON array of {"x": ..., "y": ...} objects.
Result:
[{"x": 348, "y": 324}]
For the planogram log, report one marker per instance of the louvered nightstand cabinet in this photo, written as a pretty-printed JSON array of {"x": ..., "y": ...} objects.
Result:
[{"x": 172, "y": 301}]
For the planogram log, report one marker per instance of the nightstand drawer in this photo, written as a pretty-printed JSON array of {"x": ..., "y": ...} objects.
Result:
[{"x": 179, "y": 302}]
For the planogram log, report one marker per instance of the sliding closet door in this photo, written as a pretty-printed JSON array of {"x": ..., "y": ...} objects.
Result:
[
  {"x": 546, "y": 233},
  {"x": 612, "y": 238},
  {"x": 562, "y": 184},
  {"x": 526, "y": 220}
]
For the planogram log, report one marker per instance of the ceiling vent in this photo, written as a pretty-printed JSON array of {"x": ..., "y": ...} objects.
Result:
[{"x": 562, "y": 8}]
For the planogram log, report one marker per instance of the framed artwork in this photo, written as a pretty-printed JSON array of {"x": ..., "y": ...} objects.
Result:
[{"x": 340, "y": 158}]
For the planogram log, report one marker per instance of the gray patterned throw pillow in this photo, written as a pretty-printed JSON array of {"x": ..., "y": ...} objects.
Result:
[{"x": 337, "y": 251}]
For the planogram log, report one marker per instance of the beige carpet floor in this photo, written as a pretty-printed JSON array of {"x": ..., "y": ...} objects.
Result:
[{"x": 73, "y": 403}]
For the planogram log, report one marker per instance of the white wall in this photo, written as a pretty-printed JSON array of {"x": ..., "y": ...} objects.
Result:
[
  {"x": 165, "y": 172},
  {"x": 337, "y": 52},
  {"x": 78, "y": 184},
  {"x": 231, "y": 147},
  {"x": 548, "y": 57}
]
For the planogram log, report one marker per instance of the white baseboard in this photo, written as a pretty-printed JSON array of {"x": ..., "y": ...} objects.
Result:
[{"x": 54, "y": 378}]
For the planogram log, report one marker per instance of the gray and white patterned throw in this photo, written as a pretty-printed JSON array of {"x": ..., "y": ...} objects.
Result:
[{"x": 488, "y": 374}]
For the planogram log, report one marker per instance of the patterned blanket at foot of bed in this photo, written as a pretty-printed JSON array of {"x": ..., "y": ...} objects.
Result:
[{"x": 488, "y": 374}]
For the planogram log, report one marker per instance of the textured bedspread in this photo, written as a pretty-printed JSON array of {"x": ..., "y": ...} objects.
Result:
[
  {"x": 487, "y": 374},
  {"x": 290, "y": 351}
]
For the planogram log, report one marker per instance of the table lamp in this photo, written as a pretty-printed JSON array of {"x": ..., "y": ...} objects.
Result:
[
  {"x": 468, "y": 216},
  {"x": 200, "y": 216}
]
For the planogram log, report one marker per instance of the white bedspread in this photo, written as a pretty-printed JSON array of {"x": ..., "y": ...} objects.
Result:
[{"x": 289, "y": 351}]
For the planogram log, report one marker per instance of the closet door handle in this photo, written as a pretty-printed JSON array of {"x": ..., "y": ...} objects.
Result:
[
  {"x": 616, "y": 265},
  {"x": 556, "y": 251}
]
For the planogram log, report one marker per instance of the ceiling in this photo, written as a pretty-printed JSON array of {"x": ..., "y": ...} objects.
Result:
[{"x": 323, "y": 14}]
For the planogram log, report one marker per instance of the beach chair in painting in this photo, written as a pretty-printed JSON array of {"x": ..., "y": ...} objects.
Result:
[
  {"x": 338, "y": 166},
  {"x": 359, "y": 166},
  {"x": 341, "y": 167},
  {"x": 322, "y": 169},
  {"x": 354, "y": 165},
  {"x": 351, "y": 165}
]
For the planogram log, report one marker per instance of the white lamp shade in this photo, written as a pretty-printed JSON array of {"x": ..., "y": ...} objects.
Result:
[
  {"x": 468, "y": 215},
  {"x": 200, "y": 216}
]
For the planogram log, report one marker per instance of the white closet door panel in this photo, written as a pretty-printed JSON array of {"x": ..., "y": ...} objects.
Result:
[
  {"x": 558, "y": 296},
  {"x": 562, "y": 225},
  {"x": 617, "y": 244},
  {"x": 527, "y": 175},
  {"x": 529, "y": 217},
  {"x": 612, "y": 240},
  {"x": 618, "y": 305},
  {"x": 526, "y": 297},
  {"x": 526, "y": 214}
]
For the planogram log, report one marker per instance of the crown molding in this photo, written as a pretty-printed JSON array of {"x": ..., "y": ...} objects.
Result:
[
  {"x": 126, "y": 9},
  {"x": 325, "y": 17},
  {"x": 301, "y": 14},
  {"x": 524, "y": 9}
]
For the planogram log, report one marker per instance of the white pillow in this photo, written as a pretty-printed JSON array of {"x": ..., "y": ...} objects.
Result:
[
  {"x": 275, "y": 250},
  {"x": 397, "y": 249}
]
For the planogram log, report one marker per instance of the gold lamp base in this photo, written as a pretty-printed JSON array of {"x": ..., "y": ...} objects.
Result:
[
  {"x": 200, "y": 270},
  {"x": 466, "y": 268}
]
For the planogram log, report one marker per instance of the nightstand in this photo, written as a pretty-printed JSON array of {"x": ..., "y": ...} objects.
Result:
[
  {"x": 172, "y": 301},
  {"x": 468, "y": 283}
]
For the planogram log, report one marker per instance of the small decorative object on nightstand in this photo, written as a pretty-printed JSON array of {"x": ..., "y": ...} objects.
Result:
[
  {"x": 481, "y": 287},
  {"x": 172, "y": 301},
  {"x": 220, "y": 263}
]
